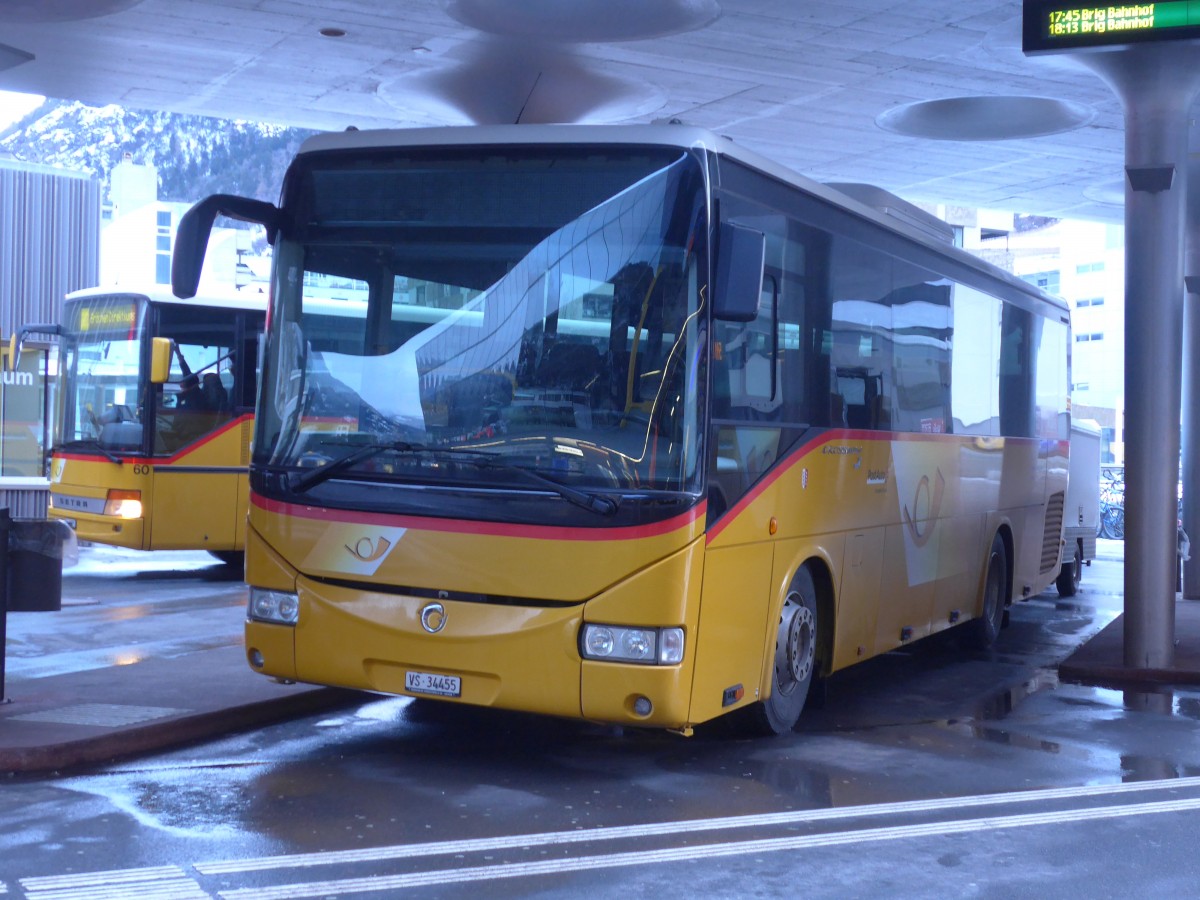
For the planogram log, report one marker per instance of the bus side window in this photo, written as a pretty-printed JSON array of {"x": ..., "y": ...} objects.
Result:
[{"x": 747, "y": 363}]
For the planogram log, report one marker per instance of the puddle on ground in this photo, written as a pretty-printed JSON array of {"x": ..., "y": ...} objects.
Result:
[{"x": 1003, "y": 703}]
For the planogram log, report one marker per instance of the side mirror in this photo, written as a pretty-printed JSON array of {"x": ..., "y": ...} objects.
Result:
[
  {"x": 191, "y": 237},
  {"x": 741, "y": 253},
  {"x": 18, "y": 338},
  {"x": 161, "y": 350}
]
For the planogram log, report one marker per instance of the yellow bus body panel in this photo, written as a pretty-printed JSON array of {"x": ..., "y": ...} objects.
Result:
[
  {"x": 896, "y": 529},
  {"x": 193, "y": 500},
  {"x": 521, "y": 654},
  {"x": 666, "y": 594},
  {"x": 76, "y": 481},
  {"x": 526, "y": 563},
  {"x": 275, "y": 645},
  {"x": 195, "y": 511},
  {"x": 899, "y": 524}
]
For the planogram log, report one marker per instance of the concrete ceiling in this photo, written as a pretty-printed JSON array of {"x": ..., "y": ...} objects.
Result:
[{"x": 931, "y": 99}]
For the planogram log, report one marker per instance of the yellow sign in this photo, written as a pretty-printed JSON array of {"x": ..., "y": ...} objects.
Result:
[{"x": 107, "y": 317}]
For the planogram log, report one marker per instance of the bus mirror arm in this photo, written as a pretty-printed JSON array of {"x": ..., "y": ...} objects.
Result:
[
  {"x": 741, "y": 254},
  {"x": 18, "y": 338},
  {"x": 195, "y": 226}
]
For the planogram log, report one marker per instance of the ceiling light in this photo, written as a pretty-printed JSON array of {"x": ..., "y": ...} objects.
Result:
[
  {"x": 585, "y": 21},
  {"x": 985, "y": 118}
]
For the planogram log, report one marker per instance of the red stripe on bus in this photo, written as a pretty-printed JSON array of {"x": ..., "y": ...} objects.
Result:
[
  {"x": 842, "y": 435},
  {"x": 158, "y": 460},
  {"x": 493, "y": 529}
]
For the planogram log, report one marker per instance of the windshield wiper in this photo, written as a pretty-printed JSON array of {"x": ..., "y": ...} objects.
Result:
[
  {"x": 596, "y": 503},
  {"x": 313, "y": 477},
  {"x": 95, "y": 444}
]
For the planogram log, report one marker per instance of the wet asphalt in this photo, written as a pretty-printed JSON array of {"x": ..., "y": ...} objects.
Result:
[{"x": 925, "y": 772}]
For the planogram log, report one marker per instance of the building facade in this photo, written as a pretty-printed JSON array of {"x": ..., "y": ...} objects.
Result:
[{"x": 49, "y": 246}]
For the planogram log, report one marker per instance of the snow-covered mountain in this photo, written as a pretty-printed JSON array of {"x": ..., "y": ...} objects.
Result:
[{"x": 194, "y": 155}]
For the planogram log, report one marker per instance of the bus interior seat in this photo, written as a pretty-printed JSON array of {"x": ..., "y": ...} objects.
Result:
[
  {"x": 215, "y": 396},
  {"x": 570, "y": 365}
]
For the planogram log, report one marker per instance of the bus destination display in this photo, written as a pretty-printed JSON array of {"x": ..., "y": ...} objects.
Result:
[{"x": 1057, "y": 26}]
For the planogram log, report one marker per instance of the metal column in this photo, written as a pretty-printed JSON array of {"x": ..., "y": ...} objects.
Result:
[
  {"x": 1157, "y": 85},
  {"x": 1191, "y": 381}
]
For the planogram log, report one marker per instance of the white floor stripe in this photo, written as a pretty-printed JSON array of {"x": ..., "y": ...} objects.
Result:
[
  {"x": 434, "y": 848},
  {"x": 88, "y": 879},
  {"x": 181, "y": 889},
  {"x": 160, "y": 883},
  {"x": 709, "y": 851}
]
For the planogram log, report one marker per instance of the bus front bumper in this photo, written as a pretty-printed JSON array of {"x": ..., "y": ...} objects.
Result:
[
  {"x": 517, "y": 658},
  {"x": 109, "y": 530}
]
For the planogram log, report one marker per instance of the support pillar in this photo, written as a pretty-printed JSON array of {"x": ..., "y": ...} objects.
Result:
[
  {"x": 1157, "y": 85},
  {"x": 1191, "y": 383}
]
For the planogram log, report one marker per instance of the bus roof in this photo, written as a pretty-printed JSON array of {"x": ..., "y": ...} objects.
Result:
[
  {"x": 162, "y": 294},
  {"x": 683, "y": 137}
]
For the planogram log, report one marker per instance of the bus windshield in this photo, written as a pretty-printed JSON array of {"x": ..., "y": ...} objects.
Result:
[
  {"x": 106, "y": 399},
  {"x": 101, "y": 377},
  {"x": 537, "y": 308}
]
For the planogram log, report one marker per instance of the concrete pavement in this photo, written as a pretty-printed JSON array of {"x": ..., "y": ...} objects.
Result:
[{"x": 146, "y": 654}]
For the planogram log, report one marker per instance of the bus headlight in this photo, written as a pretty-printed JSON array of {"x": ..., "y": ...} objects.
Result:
[
  {"x": 123, "y": 504},
  {"x": 649, "y": 646},
  {"x": 278, "y": 607}
]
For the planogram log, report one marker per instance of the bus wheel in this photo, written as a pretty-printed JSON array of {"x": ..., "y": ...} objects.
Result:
[
  {"x": 982, "y": 632},
  {"x": 1071, "y": 576},
  {"x": 795, "y": 659}
]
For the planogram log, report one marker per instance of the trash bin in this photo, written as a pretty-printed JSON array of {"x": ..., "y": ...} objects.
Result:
[{"x": 35, "y": 563}]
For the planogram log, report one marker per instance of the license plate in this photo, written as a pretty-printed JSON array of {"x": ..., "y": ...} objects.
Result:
[{"x": 428, "y": 683}]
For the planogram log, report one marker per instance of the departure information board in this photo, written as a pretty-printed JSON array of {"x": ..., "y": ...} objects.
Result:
[{"x": 1056, "y": 26}]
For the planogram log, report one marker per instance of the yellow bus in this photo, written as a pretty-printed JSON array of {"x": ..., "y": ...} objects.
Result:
[
  {"x": 629, "y": 424},
  {"x": 154, "y": 413}
]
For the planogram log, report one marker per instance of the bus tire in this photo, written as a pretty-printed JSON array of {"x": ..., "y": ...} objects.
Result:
[
  {"x": 982, "y": 632},
  {"x": 1071, "y": 576},
  {"x": 795, "y": 659}
]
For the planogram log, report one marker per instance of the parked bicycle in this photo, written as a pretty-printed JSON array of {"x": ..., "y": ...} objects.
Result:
[{"x": 1112, "y": 511}]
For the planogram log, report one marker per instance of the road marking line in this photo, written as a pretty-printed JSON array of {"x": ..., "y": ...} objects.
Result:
[
  {"x": 624, "y": 832},
  {"x": 161, "y": 883},
  {"x": 708, "y": 851},
  {"x": 85, "y": 879}
]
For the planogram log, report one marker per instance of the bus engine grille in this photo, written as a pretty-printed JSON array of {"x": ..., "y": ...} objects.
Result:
[{"x": 1053, "y": 536}]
